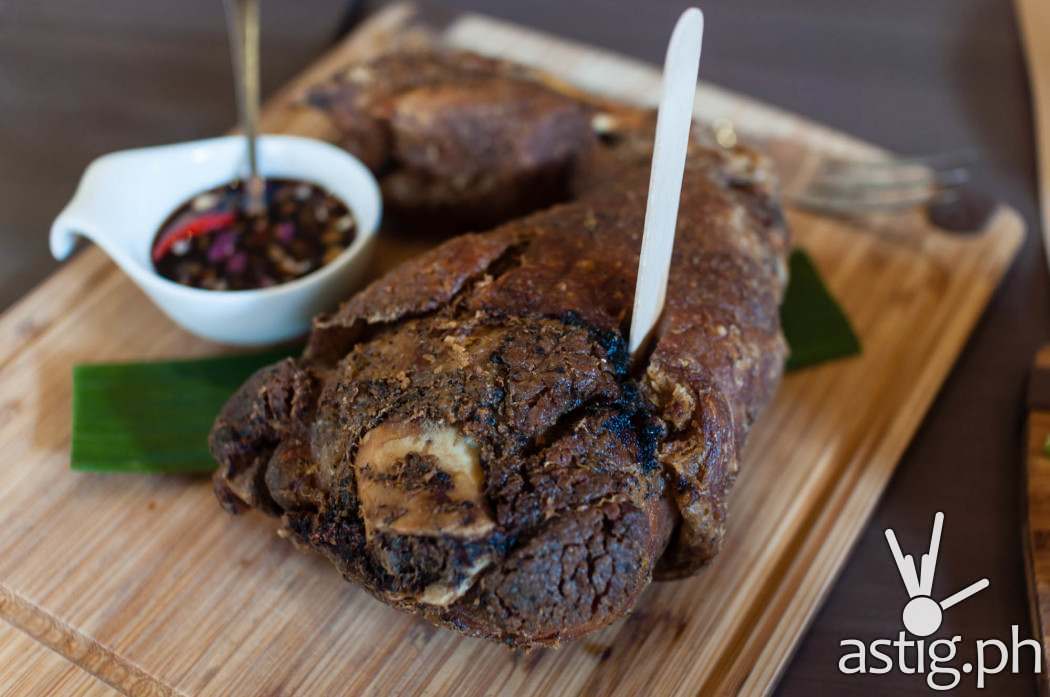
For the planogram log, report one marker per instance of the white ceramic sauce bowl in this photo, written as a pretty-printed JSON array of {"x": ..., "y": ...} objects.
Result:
[{"x": 124, "y": 197}]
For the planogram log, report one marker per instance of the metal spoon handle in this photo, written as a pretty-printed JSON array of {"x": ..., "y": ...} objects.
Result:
[{"x": 242, "y": 20}]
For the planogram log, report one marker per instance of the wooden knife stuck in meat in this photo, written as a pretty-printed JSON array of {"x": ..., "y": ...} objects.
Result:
[
  {"x": 466, "y": 438},
  {"x": 670, "y": 144}
]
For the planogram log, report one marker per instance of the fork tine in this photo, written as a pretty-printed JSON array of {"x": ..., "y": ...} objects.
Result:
[
  {"x": 946, "y": 178},
  {"x": 848, "y": 206},
  {"x": 868, "y": 199},
  {"x": 950, "y": 159},
  {"x": 849, "y": 187}
]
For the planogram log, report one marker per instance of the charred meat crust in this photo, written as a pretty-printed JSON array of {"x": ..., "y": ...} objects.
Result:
[
  {"x": 562, "y": 434},
  {"x": 486, "y": 382},
  {"x": 523, "y": 356},
  {"x": 418, "y": 286},
  {"x": 461, "y": 141},
  {"x": 254, "y": 425}
]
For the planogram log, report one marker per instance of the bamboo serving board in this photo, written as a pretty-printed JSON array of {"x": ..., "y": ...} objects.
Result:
[
  {"x": 145, "y": 583},
  {"x": 30, "y": 668}
]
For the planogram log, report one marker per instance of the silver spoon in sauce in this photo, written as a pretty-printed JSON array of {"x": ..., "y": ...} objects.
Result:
[{"x": 242, "y": 21}]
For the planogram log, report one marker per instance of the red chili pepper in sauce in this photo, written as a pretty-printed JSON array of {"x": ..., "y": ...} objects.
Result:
[{"x": 199, "y": 225}]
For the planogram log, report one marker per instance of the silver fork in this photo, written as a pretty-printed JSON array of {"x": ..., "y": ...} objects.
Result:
[
  {"x": 853, "y": 187},
  {"x": 862, "y": 187}
]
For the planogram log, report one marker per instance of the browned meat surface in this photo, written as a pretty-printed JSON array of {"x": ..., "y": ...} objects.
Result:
[
  {"x": 460, "y": 141},
  {"x": 464, "y": 438}
]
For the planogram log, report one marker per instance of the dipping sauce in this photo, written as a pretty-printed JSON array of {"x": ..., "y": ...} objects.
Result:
[{"x": 211, "y": 242}]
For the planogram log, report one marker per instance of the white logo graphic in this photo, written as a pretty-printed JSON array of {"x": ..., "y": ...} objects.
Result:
[
  {"x": 922, "y": 615},
  {"x": 911, "y": 653}
]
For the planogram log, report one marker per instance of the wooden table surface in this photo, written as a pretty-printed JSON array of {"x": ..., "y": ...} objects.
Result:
[{"x": 81, "y": 79}]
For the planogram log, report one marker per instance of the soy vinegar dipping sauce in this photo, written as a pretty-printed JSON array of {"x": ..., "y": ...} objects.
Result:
[{"x": 212, "y": 242}]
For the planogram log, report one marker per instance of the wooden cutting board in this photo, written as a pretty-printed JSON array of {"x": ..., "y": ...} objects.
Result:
[
  {"x": 30, "y": 668},
  {"x": 143, "y": 582}
]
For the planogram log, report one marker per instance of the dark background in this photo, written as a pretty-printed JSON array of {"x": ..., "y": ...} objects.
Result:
[{"x": 79, "y": 78}]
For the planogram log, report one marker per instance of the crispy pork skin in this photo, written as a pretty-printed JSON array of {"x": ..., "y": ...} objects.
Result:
[
  {"x": 461, "y": 141},
  {"x": 466, "y": 439},
  {"x": 457, "y": 140}
]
